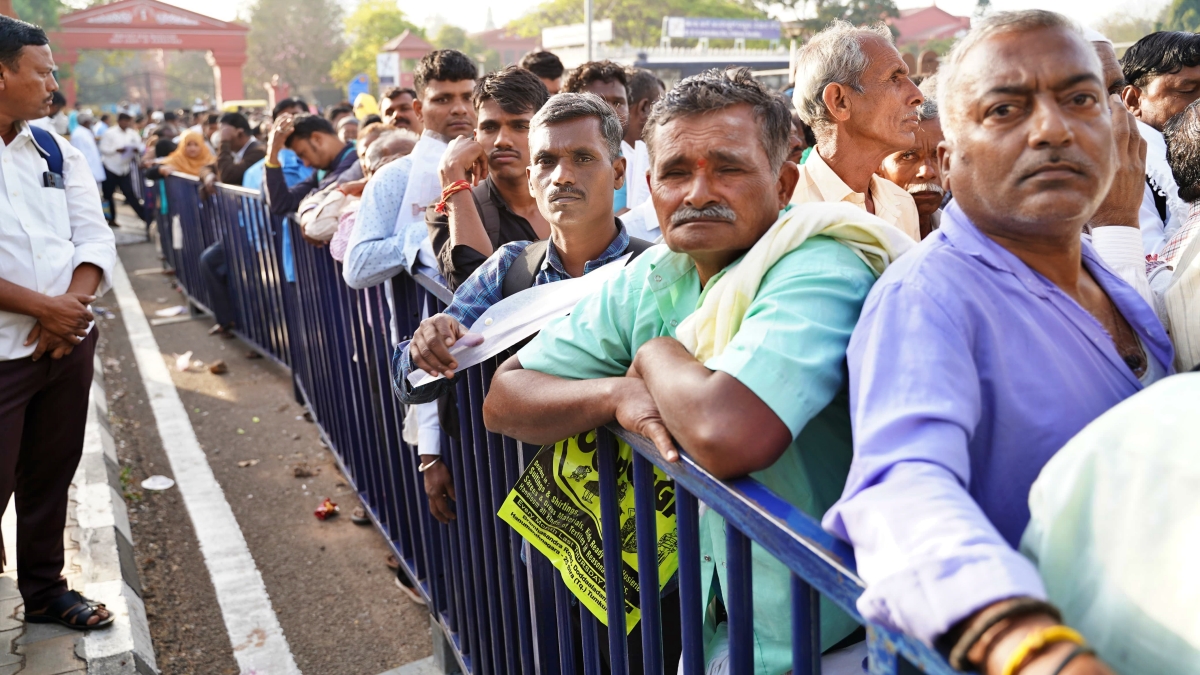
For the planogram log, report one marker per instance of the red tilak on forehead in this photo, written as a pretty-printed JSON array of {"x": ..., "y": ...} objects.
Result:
[{"x": 701, "y": 163}]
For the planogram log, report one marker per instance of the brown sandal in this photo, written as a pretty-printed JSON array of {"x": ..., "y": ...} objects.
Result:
[{"x": 72, "y": 610}]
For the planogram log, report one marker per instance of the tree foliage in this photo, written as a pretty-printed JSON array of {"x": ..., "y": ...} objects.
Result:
[
  {"x": 857, "y": 12},
  {"x": 298, "y": 39},
  {"x": 43, "y": 13},
  {"x": 1126, "y": 26},
  {"x": 638, "y": 22},
  {"x": 453, "y": 37},
  {"x": 368, "y": 27},
  {"x": 1182, "y": 15}
]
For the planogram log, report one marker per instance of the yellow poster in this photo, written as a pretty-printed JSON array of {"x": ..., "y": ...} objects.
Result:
[{"x": 555, "y": 505}]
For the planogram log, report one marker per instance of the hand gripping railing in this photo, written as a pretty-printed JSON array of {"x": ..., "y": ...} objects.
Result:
[{"x": 501, "y": 605}]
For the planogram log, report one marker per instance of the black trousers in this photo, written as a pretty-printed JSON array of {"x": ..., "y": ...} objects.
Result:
[
  {"x": 214, "y": 268},
  {"x": 43, "y": 412},
  {"x": 125, "y": 183}
]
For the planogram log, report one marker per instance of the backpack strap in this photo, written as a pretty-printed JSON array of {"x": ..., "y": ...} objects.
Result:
[
  {"x": 48, "y": 148},
  {"x": 488, "y": 213},
  {"x": 524, "y": 268}
]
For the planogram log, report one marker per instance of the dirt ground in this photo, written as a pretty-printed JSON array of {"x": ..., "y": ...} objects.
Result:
[{"x": 335, "y": 598}]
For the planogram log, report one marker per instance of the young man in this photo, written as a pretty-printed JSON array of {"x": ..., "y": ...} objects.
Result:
[
  {"x": 771, "y": 403},
  {"x": 575, "y": 168},
  {"x": 389, "y": 232},
  {"x": 610, "y": 82},
  {"x": 400, "y": 107},
  {"x": 547, "y": 67},
  {"x": 58, "y": 255},
  {"x": 314, "y": 141},
  {"x": 500, "y": 208},
  {"x": 119, "y": 147}
]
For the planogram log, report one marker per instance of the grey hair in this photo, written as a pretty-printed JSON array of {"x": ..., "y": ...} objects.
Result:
[
  {"x": 390, "y": 143},
  {"x": 833, "y": 56},
  {"x": 950, "y": 92},
  {"x": 928, "y": 109},
  {"x": 720, "y": 89},
  {"x": 572, "y": 106},
  {"x": 1182, "y": 133}
]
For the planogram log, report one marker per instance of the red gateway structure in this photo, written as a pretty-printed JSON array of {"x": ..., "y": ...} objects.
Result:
[{"x": 149, "y": 24}]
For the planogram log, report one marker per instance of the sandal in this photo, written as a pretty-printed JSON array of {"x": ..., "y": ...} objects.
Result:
[
  {"x": 359, "y": 517},
  {"x": 72, "y": 610}
]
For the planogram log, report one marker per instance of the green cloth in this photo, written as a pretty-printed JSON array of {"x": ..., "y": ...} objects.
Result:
[
  {"x": 804, "y": 155},
  {"x": 790, "y": 351}
]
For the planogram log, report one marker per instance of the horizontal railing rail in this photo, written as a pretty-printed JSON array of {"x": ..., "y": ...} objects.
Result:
[{"x": 502, "y": 606}]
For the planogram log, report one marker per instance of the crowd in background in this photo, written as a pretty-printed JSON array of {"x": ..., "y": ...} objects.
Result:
[{"x": 898, "y": 303}]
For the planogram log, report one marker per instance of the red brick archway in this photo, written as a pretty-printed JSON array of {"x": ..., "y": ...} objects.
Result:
[{"x": 149, "y": 24}]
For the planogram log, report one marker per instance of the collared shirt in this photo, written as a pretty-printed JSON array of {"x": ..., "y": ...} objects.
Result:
[
  {"x": 819, "y": 183},
  {"x": 968, "y": 371},
  {"x": 457, "y": 263},
  {"x": 485, "y": 288},
  {"x": 285, "y": 199},
  {"x": 1160, "y": 187},
  {"x": 118, "y": 147},
  {"x": 45, "y": 233},
  {"x": 373, "y": 254},
  {"x": 789, "y": 351},
  {"x": 637, "y": 163},
  {"x": 83, "y": 139}
]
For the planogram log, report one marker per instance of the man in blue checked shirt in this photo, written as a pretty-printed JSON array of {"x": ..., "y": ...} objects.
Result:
[{"x": 574, "y": 143}]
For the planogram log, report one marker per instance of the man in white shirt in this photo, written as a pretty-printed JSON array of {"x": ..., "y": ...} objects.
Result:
[
  {"x": 85, "y": 141},
  {"x": 852, "y": 88},
  {"x": 56, "y": 255},
  {"x": 119, "y": 148},
  {"x": 1162, "y": 71},
  {"x": 644, "y": 91}
]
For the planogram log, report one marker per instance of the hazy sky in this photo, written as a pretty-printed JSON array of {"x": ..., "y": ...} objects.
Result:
[{"x": 471, "y": 14}]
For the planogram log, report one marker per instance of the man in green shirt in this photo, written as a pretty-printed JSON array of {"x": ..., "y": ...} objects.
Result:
[{"x": 773, "y": 402}]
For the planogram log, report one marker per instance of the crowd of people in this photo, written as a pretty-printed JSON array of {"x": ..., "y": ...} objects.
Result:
[{"x": 894, "y": 305}]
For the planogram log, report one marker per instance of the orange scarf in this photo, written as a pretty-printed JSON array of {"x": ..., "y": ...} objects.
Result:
[{"x": 179, "y": 161}]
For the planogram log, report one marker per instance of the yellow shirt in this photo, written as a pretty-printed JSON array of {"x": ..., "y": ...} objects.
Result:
[{"x": 818, "y": 183}]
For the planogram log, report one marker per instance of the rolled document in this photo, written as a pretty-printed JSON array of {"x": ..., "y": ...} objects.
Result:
[{"x": 516, "y": 317}]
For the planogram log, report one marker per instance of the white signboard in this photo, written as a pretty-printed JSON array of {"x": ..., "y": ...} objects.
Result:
[
  {"x": 387, "y": 68},
  {"x": 575, "y": 35}
]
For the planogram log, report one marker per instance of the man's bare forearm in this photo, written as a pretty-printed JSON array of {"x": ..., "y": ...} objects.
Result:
[
  {"x": 534, "y": 407},
  {"x": 725, "y": 427},
  {"x": 86, "y": 279},
  {"x": 20, "y": 300},
  {"x": 466, "y": 225}
]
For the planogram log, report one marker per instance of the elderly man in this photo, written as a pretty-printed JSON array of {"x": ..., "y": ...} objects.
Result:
[
  {"x": 916, "y": 169},
  {"x": 852, "y": 88},
  {"x": 499, "y": 208},
  {"x": 718, "y": 180},
  {"x": 984, "y": 350},
  {"x": 574, "y": 167},
  {"x": 1163, "y": 75}
]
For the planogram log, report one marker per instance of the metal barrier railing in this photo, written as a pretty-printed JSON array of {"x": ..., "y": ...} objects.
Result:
[{"x": 502, "y": 606}]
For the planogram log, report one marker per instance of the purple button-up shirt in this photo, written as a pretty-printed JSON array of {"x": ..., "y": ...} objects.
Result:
[{"x": 968, "y": 371}]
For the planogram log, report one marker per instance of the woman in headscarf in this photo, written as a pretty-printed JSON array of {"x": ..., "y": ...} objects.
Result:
[{"x": 189, "y": 157}]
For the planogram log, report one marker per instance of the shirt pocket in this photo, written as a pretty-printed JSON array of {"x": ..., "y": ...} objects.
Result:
[{"x": 54, "y": 216}]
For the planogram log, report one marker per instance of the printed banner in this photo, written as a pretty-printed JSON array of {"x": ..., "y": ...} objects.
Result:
[{"x": 555, "y": 505}]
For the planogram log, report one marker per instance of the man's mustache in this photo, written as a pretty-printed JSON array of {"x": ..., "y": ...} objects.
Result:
[
  {"x": 565, "y": 190},
  {"x": 687, "y": 214},
  {"x": 925, "y": 187}
]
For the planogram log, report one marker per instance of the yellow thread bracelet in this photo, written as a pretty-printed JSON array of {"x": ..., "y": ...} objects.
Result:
[{"x": 1039, "y": 640}]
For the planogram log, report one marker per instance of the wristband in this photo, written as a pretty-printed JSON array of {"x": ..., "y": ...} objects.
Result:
[
  {"x": 1039, "y": 640},
  {"x": 1077, "y": 652},
  {"x": 425, "y": 467},
  {"x": 1016, "y": 608},
  {"x": 269, "y": 165},
  {"x": 449, "y": 191}
]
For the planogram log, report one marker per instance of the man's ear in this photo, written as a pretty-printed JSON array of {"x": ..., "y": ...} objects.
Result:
[
  {"x": 618, "y": 173},
  {"x": 417, "y": 109},
  {"x": 836, "y": 98},
  {"x": 789, "y": 175},
  {"x": 943, "y": 158},
  {"x": 1132, "y": 97}
]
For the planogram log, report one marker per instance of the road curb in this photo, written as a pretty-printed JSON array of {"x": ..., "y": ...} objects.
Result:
[{"x": 104, "y": 567}]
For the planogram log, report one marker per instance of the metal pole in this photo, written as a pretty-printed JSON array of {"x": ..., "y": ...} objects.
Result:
[{"x": 587, "y": 20}]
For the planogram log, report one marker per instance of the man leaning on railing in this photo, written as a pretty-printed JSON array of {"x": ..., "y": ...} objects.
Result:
[
  {"x": 987, "y": 348},
  {"x": 759, "y": 387}
]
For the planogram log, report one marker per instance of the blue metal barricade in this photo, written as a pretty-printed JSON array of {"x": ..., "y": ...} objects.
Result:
[{"x": 502, "y": 606}]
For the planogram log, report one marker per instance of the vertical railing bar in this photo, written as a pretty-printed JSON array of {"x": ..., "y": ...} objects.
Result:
[
  {"x": 691, "y": 600},
  {"x": 806, "y": 628},
  {"x": 614, "y": 584},
  {"x": 646, "y": 522},
  {"x": 566, "y": 638},
  {"x": 739, "y": 600},
  {"x": 590, "y": 638}
]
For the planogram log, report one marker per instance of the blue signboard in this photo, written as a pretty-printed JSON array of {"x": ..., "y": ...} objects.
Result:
[
  {"x": 361, "y": 84},
  {"x": 733, "y": 29}
]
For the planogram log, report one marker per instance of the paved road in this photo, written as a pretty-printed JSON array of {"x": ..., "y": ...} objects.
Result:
[{"x": 334, "y": 597}]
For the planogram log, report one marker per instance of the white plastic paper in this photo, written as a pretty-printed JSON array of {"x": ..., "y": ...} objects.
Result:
[{"x": 515, "y": 318}]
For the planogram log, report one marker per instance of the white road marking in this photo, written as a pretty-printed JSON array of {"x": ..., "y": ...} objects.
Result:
[{"x": 258, "y": 641}]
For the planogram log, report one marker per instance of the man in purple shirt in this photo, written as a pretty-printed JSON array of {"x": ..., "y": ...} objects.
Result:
[{"x": 981, "y": 352}]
